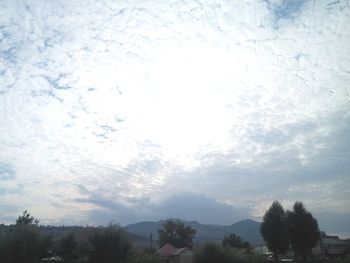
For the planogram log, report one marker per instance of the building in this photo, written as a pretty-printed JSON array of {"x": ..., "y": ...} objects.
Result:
[
  {"x": 174, "y": 254},
  {"x": 331, "y": 246}
]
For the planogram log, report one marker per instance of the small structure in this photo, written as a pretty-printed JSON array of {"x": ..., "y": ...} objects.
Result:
[
  {"x": 52, "y": 259},
  {"x": 332, "y": 246},
  {"x": 174, "y": 254}
]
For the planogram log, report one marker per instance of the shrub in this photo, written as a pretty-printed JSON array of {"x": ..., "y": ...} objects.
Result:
[
  {"x": 211, "y": 253},
  {"x": 110, "y": 246}
]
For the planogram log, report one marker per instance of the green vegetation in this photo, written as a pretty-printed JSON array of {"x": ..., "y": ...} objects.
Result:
[
  {"x": 24, "y": 243},
  {"x": 141, "y": 257},
  {"x": 274, "y": 230},
  {"x": 235, "y": 241},
  {"x": 302, "y": 230},
  {"x": 177, "y": 234},
  {"x": 211, "y": 252},
  {"x": 342, "y": 260},
  {"x": 297, "y": 228},
  {"x": 68, "y": 248},
  {"x": 110, "y": 246}
]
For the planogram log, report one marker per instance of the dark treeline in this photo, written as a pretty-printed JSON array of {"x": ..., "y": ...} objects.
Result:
[
  {"x": 287, "y": 233},
  {"x": 24, "y": 243}
]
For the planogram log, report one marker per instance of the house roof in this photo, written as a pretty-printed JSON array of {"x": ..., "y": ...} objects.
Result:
[
  {"x": 166, "y": 250},
  {"x": 179, "y": 251},
  {"x": 169, "y": 250},
  {"x": 330, "y": 240}
]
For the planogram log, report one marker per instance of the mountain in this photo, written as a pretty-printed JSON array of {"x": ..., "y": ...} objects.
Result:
[{"x": 248, "y": 230}]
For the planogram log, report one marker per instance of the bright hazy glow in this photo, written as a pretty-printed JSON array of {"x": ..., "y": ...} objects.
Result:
[{"x": 114, "y": 110}]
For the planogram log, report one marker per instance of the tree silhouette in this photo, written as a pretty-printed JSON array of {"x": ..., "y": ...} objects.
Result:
[
  {"x": 303, "y": 230},
  {"x": 22, "y": 244},
  {"x": 111, "y": 246},
  {"x": 211, "y": 253},
  {"x": 177, "y": 234},
  {"x": 27, "y": 219},
  {"x": 236, "y": 241},
  {"x": 68, "y": 248},
  {"x": 274, "y": 230}
]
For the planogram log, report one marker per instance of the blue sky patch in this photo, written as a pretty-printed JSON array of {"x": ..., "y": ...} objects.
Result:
[
  {"x": 286, "y": 8},
  {"x": 6, "y": 172}
]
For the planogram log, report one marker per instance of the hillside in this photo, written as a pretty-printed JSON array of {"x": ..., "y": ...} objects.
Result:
[
  {"x": 82, "y": 234},
  {"x": 139, "y": 233},
  {"x": 248, "y": 230}
]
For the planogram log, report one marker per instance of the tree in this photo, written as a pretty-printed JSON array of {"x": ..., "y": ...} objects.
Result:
[
  {"x": 27, "y": 219},
  {"x": 236, "y": 241},
  {"x": 22, "y": 243},
  {"x": 211, "y": 253},
  {"x": 303, "y": 230},
  {"x": 110, "y": 246},
  {"x": 68, "y": 248},
  {"x": 274, "y": 230},
  {"x": 177, "y": 234},
  {"x": 46, "y": 246}
]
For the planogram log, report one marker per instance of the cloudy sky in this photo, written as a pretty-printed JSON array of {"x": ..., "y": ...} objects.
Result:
[{"x": 122, "y": 111}]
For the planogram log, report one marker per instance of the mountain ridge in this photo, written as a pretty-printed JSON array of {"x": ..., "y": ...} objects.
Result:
[{"x": 248, "y": 230}]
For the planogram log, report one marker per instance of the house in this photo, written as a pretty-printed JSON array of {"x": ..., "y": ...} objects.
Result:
[
  {"x": 330, "y": 246},
  {"x": 174, "y": 254}
]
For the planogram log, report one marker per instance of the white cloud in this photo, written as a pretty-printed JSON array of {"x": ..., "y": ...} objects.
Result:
[{"x": 148, "y": 99}]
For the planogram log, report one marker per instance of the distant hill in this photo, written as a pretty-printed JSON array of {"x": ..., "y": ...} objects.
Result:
[
  {"x": 82, "y": 234},
  {"x": 248, "y": 230},
  {"x": 139, "y": 233}
]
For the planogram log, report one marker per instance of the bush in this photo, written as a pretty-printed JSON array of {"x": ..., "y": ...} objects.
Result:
[
  {"x": 110, "y": 246},
  {"x": 68, "y": 248},
  {"x": 341, "y": 260},
  {"x": 143, "y": 257},
  {"x": 21, "y": 245},
  {"x": 211, "y": 253}
]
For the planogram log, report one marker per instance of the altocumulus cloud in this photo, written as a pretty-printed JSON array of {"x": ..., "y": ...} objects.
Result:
[{"x": 125, "y": 111}]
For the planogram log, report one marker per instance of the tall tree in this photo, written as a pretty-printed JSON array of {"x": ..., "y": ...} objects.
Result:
[
  {"x": 274, "y": 230},
  {"x": 177, "y": 234},
  {"x": 303, "y": 230}
]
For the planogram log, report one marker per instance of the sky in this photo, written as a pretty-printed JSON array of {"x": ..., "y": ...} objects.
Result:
[{"x": 124, "y": 111}]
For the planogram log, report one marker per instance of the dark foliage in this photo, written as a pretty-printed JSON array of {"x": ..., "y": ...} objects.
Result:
[
  {"x": 303, "y": 230},
  {"x": 142, "y": 257},
  {"x": 177, "y": 234},
  {"x": 68, "y": 248},
  {"x": 23, "y": 245},
  {"x": 210, "y": 253},
  {"x": 213, "y": 253},
  {"x": 27, "y": 219},
  {"x": 235, "y": 241},
  {"x": 274, "y": 229},
  {"x": 110, "y": 246}
]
